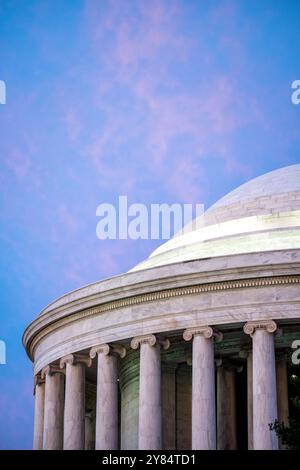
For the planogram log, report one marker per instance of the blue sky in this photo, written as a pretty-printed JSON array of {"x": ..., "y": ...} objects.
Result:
[{"x": 161, "y": 100}]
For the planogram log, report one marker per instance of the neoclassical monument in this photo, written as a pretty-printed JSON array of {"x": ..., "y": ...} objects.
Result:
[{"x": 189, "y": 350}]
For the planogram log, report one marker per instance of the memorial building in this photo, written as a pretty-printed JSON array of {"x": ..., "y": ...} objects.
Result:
[{"x": 192, "y": 348}]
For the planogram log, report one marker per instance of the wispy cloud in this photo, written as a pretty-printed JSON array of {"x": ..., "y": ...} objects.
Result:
[{"x": 143, "y": 100}]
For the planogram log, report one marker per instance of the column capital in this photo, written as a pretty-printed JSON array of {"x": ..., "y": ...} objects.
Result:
[
  {"x": 51, "y": 369},
  {"x": 251, "y": 326},
  {"x": 74, "y": 359},
  {"x": 149, "y": 339},
  {"x": 107, "y": 349},
  {"x": 138, "y": 340},
  {"x": 205, "y": 331},
  {"x": 38, "y": 379}
]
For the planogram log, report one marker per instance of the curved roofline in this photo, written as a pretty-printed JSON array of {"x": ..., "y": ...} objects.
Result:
[
  {"x": 273, "y": 194},
  {"x": 289, "y": 171}
]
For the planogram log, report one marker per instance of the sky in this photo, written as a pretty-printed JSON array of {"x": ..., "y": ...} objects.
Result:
[{"x": 164, "y": 101}]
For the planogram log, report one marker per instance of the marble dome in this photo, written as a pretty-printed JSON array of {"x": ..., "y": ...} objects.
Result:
[{"x": 260, "y": 215}]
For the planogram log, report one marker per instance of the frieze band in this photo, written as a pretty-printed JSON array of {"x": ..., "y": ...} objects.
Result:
[{"x": 161, "y": 295}]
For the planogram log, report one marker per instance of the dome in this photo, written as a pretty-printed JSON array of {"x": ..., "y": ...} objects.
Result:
[{"x": 258, "y": 216}]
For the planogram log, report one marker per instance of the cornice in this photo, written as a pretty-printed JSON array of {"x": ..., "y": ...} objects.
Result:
[
  {"x": 280, "y": 262},
  {"x": 178, "y": 275},
  {"x": 32, "y": 340}
]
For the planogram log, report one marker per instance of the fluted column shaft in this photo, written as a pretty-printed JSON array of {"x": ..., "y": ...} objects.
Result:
[
  {"x": 203, "y": 388},
  {"x": 39, "y": 392},
  {"x": 107, "y": 396},
  {"x": 74, "y": 412},
  {"x": 54, "y": 406},
  {"x": 264, "y": 384},
  {"x": 150, "y": 425}
]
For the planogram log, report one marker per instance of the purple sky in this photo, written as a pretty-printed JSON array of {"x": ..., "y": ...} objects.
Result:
[{"x": 162, "y": 101}]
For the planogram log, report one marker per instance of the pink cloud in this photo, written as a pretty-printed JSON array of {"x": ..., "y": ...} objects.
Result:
[{"x": 139, "y": 57}]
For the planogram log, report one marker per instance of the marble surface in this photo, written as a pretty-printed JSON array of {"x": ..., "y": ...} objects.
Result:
[
  {"x": 107, "y": 402},
  {"x": 39, "y": 401},
  {"x": 150, "y": 413},
  {"x": 264, "y": 390},
  {"x": 74, "y": 412},
  {"x": 203, "y": 394},
  {"x": 54, "y": 412},
  {"x": 76, "y": 322}
]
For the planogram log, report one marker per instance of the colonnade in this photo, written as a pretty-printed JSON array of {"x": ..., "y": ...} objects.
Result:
[{"x": 60, "y": 419}]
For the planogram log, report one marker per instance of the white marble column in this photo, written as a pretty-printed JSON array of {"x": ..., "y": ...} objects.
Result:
[
  {"x": 226, "y": 407},
  {"x": 264, "y": 383},
  {"x": 150, "y": 424},
  {"x": 54, "y": 406},
  {"x": 107, "y": 395},
  {"x": 203, "y": 388},
  {"x": 39, "y": 402},
  {"x": 74, "y": 413}
]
